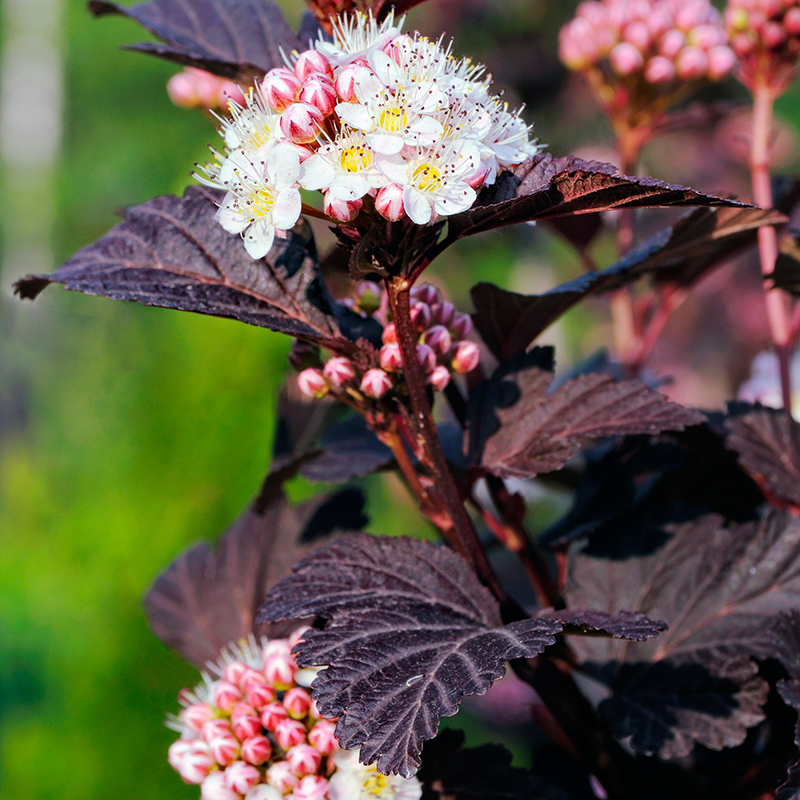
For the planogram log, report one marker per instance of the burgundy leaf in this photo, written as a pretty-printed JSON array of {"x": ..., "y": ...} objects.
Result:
[
  {"x": 539, "y": 432},
  {"x": 624, "y": 625},
  {"x": 768, "y": 444},
  {"x": 410, "y": 632},
  {"x": 790, "y": 788},
  {"x": 171, "y": 252},
  {"x": 237, "y": 39}
]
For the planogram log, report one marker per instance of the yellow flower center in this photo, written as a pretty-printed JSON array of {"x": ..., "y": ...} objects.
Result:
[
  {"x": 261, "y": 203},
  {"x": 355, "y": 158},
  {"x": 258, "y": 138},
  {"x": 393, "y": 120},
  {"x": 376, "y": 784},
  {"x": 427, "y": 178}
]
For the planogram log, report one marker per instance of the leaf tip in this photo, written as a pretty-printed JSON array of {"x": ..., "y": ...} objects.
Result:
[{"x": 30, "y": 287}]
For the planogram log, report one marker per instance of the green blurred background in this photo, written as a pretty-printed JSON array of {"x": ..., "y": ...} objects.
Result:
[{"x": 128, "y": 432}]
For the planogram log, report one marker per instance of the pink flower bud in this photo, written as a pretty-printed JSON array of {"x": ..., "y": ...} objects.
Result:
[
  {"x": 233, "y": 672},
  {"x": 339, "y": 371},
  {"x": 461, "y": 326},
  {"x": 312, "y": 61},
  {"x": 439, "y": 378},
  {"x": 691, "y": 64},
  {"x": 390, "y": 357},
  {"x": 443, "y": 313},
  {"x": 297, "y": 635},
  {"x": 297, "y": 702},
  {"x": 318, "y": 91},
  {"x": 242, "y": 709},
  {"x": 421, "y": 316},
  {"x": 208, "y": 86},
  {"x": 301, "y": 123},
  {"x": 225, "y": 695},
  {"x": 196, "y": 715},
  {"x": 721, "y": 60},
  {"x": 706, "y": 36},
  {"x": 224, "y": 749},
  {"x": 259, "y": 694},
  {"x": 791, "y": 21},
  {"x": 215, "y": 788},
  {"x": 369, "y": 296},
  {"x": 479, "y": 177},
  {"x": 272, "y": 715},
  {"x": 276, "y": 647},
  {"x": 256, "y": 750},
  {"x": 312, "y": 787},
  {"x": 304, "y": 759},
  {"x": 375, "y": 383},
  {"x": 279, "y": 671},
  {"x": 312, "y": 383},
  {"x": 345, "y": 83},
  {"x": 313, "y": 712},
  {"x": 399, "y": 46},
  {"x": 672, "y": 42},
  {"x": 196, "y": 763},
  {"x": 177, "y": 750},
  {"x": 182, "y": 90},
  {"x": 290, "y": 732},
  {"x": 322, "y": 737},
  {"x": 389, "y": 334},
  {"x": 466, "y": 357},
  {"x": 427, "y": 358},
  {"x": 638, "y": 34},
  {"x": 389, "y": 202},
  {"x": 280, "y": 88},
  {"x": 241, "y": 777},
  {"x": 263, "y": 792},
  {"x": 214, "y": 728},
  {"x": 245, "y": 727},
  {"x": 659, "y": 70},
  {"x": 229, "y": 91},
  {"x": 340, "y": 210},
  {"x": 426, "y": 293},
  {"x": 625, "y": 59},
  {"x": 281, "y": 777},
  {"x": 438, "y": 337},
  {"x": 773, "y": 34}
]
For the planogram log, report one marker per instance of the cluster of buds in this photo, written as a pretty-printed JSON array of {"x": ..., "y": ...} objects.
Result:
[
  {"x": 442, "y": 348},
  {"x": 253, "y": 731},
  {"x": 640, "y": 55},
  {"x": 381, "y": 123},
  {"x": 765, "y": 35},
  {"x": 195, "y": 88}
]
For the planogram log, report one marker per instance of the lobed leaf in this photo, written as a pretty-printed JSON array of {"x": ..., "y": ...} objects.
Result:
[
  {"x": 171, "y": 252},
  {"x": 768, "y": 445},
  {"x": 237, "y": 39},
  {"x": 537, "y": 431},
  {"x": 629, "y": 625}
]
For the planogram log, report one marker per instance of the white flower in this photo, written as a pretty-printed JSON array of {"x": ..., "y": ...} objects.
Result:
[
  {"x": 354, "y": 36},
  {"x": 347, "y": 167},
  {"x": 435, "y": 180},
  {"x": 261, "y": 198},
  {"x": 253, "y": 128},
  {"x": 354, "y": 781}
]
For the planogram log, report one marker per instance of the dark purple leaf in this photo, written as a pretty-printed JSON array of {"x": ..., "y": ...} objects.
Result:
[
  {"x": 624, "y": 625},
  {"x": 171, "y": 252},
  {"x": 450, "y": 771},
  {"x": 790, "y": 788},
  {"x": 410, "y": 632},
  {"x": 540, "y": 431},
  {"x": 237, "y": 39},
  {"x": 786, "y": 274},
  {"x": 579, "y": 230},
  {"x": 768, "y": 444},
  {"x": 786, "y": 640}
]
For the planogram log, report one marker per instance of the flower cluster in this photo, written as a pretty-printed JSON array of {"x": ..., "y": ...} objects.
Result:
[
  {"x": 253, "y": 731},
  {"x": 381, "y": 123},
  {"x": 195, "y": 88},
  {"x": 638, "y": 52},
  {"x": 442, "y": 347},
  {"x": 765, "y": 34}
]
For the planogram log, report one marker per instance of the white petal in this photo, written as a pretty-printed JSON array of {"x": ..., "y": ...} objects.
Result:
[
  {"x": 427, "y": 125},
  {"x": 231, "y": 220},
  {"x": 394, "y": 168},
  {"x": 258, "y": 240},
  {"x": 417, "y": 206},
  {"x": 286, "y": 210},
  {"x": 356, "y": 116},
  {"x": 316, "y": 173},
  {"x": 352, "y": 187},
  {"x": 386, "y": 143},
  {"x": 458, "y": 197},
  {"x": 283, "y": 167}
]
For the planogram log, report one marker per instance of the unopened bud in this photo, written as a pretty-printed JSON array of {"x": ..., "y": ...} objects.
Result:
[
  {"x": 280, "y": 88},
  {"x": 214, "y": 728},
  {"x": 466, "y": 357},
  {"x": 259, "y": 694},
  {"x": 390, "y": 357},
  {"x": 625, "y": 59},
  {"x": 318, "y": 91},
  {"x": 229, "y": 91},
  {"x": 389, "y": 202},
  {"x": 276, "y": 647},
  {"x": 233, "y": 672},
  {"x": 242, "y": 709},
  {"x": 273, "y": 714},
  {"x": 225, "y": 695},
  {"x": 345, "y": 83},
  {"x": 659, "y": 70},
  {"x": 479, "y": 177},
  {"x": 638, "y": 34},
  {"x": 443, "y": 313},
  {"x": 196, "y": 715},
  {"x": 297, "y": 702},
  {"x": 242, "y": 777},
  {"x": 721, "y": 60},
  {"x": 297, "y": 634},
  {"x": 301, "y": 356},
  {"x": 256, "y": 750},
  {"x": 208, "y": 87},
  {"x": 301, "y": 123},
  {"x": 692, "y": 64},
  {"x": 339, "y": 371},
  {"x": 389, "y": 334},
  {"x": 304, "y": 759},
  {"x": 369, "y": 296},
  {"x": 224, "y": 749},
  {"x": 672, "y": 42},
  {"x": 312, "y": 787},
  {"x": 439, "y": 378},
  {"x": 182, "y": 90},
  {"x": 340, "y": 210},
  {"x": 312, "y": 61},
  {"x": 426, "y": 293},
  {"x": 290, "y": 732},
  {"x": 281, "y": 777},
  {"x": 427, "y": 358},
  {"x": 245, "y": 727},
  {"x": 196, "y": 763},
  {"x": 312, "y": 383},
  {"x": 177, "y": 750},
  {"x": 461, "y": 327},
  {"x": 263, "y": 792},
  {"x": 322, "y": 737},
  {"x": 215, "y": 788},
  {"x": 438, "y": 337},
  {"x": 421, "y": 316},
  {"x": 375, "y": 383},
  {"x": 791, "y": 21},
  {"x": 279, "y": 670}
]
